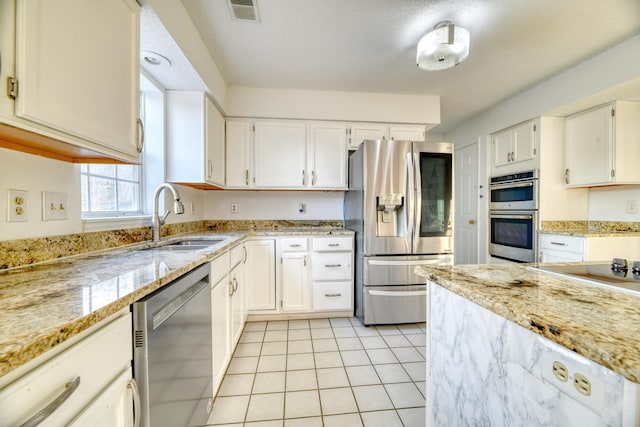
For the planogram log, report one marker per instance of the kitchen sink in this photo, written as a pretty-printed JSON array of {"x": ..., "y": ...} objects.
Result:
[
  {"x": 186, "y": 245},
  {"x": 197, "y": 242}
]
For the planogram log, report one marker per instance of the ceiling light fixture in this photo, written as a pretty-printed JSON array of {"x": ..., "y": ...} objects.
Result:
[
  {"x": 444, "y": 47},
  {"x": 154, "y": 59}
]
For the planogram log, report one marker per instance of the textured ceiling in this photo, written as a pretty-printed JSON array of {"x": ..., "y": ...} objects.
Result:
[{"x": 369, "y": 45}]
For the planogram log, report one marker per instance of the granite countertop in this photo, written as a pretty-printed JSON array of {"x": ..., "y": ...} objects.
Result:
[
  {"x": 585, "y": 232},
  {"x": 597, "y": 323},
  {"x": 45, "y": 304}
]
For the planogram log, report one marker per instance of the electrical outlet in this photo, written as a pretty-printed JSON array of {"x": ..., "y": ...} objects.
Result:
[
  {"x": 632, "y": 207},
  {"x": 17, "y": 210},
  {"x": 54, "y": 206},
  {"x": 234, "y": 208}
]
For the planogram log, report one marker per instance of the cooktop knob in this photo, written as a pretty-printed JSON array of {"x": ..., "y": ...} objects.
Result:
[{"x": 619, "y": 264}]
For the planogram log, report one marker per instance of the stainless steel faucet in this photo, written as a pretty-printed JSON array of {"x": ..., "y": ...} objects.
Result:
[{"x": 178, "y": 208}]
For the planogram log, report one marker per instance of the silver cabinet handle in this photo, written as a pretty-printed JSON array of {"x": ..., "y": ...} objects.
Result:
[
  {"x": 305, "y": 260},
  {"x": 332, "y": 295},
  {"x": 246, "y": 177},
  {"x": 235, "y": 285},
  {"x": 313, "y": 177},
  {"x": 209, "y": 168},
  {"x": 69, "y": 388},
  {"x": 513, "y": 156},
  {"x": 140, "y": 143},
  {"x": 303, "y": 177},
  {"x": 333, "y": 245},
  {"x": 558, "y": 243},
  {"x": 566, "y": 176},
  {"x": 244, "y": 259},
  {"x": 333, "y": 265},
  {"x": 136, "y": 401},
  {"x": 231, "y": 287},
  {"x": 295, "y": 245}
]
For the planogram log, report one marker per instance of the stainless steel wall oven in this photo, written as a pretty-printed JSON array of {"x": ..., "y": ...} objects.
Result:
[{"x": 513, "y": 216}]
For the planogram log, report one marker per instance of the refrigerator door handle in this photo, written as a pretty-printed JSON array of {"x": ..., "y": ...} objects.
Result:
[
  {"x": 417, "y": 186},
  {"x": 397, "y": 293},
  {"x": 437, "y": 261},
  {"x": 409, "y": 201}
]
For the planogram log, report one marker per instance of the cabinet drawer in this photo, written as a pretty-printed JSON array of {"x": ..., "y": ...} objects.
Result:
[
  {"x": 331, "y": 266},
  {"x": 96, "y": 360},
  {"x": 561, "y": 243},
  {"x": 293, "y": 245},
  {"x": 219, "y": 267},
  {"x": 237, "y": 255},
  {"x": 332, "y": 296},
  {"x": 333, "y": 244}
]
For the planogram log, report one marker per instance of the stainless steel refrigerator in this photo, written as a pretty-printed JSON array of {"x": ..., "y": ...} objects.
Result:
[{"x": 400, "y": 205}]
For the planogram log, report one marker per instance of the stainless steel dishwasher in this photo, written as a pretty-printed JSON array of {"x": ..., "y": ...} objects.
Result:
[{"x": 172, "y": 352}]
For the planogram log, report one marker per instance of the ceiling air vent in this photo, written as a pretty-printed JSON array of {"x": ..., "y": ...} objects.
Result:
[{"x": 244, "y": 10}]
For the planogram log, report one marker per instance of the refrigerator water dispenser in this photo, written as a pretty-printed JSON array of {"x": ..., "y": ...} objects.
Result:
[{"x": 389, "y": 218}]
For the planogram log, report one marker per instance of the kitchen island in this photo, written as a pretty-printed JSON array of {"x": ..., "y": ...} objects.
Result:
[{"x": 512, "y": 346}]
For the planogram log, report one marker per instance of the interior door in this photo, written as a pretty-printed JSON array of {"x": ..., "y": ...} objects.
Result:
[{"x": 466, "y": 205}]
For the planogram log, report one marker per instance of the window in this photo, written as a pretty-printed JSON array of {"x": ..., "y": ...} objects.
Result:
[{"x": 110, "y": 190}]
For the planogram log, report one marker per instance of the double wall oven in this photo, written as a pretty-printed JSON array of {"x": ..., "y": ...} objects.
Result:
[{"x": 513, "y": 216}]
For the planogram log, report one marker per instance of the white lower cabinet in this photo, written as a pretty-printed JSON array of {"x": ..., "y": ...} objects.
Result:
[
  {"x": 332, "y": 273},
  {"x": 220, "y": 321},
  {"x": 563, "y": 248},
  {"x": 237, "y": 312},
  {"x": 95, "y": 375},
  {"x": 112, "y": 408},
  {"x": 260, "y": 274},
  {"x": 294, "y": 275}
]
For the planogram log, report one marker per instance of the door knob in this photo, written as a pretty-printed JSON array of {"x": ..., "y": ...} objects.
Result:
[{"x": 472, "y": 221}]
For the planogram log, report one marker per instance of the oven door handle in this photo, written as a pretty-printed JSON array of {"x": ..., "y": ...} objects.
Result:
[
  {"x": 513, "y": 185},
  {"x": 509, "y": 216}
]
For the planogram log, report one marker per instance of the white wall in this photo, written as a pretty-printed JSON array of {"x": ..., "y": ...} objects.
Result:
[
  {"x": 327, "y": 105},
  {"x": 274, "y": 205},
  {"x": 595, "y": 81},
  {"x": 610, "y": 203},
  {"x": 20, "y": 171}
]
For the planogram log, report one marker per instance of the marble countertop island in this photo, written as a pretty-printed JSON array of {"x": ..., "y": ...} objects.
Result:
[
  {"x": 597, "y": 323},
  {"x": 45, "y": 304}
]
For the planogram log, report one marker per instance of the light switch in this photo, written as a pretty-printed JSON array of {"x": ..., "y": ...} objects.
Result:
[{"x": 54, "y": 206}]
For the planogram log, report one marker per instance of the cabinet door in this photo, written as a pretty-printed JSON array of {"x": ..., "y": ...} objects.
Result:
[
  {"x": 295, "y": 281},
  {"x": 260, "y": 275},
  {"x": 112, "y": 408},
  {"x": 280, "y": 155},
  {"x": 237, "y": 318},
  {"x": 77, "y": 63},
  {"x": 238, "y": 153},
  {"x": 501, "y": 148},
  {"x": 328, "y": 156},
  {"x": 407, "y": 133},
  {"x": 215, "y": 167},
  {"x": 365, "y": 131},
  {"x": 589, "y": 147},
  {"x": 523, "y": 143},
  {"x": 220, "y": 329}
]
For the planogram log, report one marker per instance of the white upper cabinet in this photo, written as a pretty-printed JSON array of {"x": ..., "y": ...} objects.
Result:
[
  {"x": 407, "y": 132},
  {"x": 76, "y": 65},
  {"x": 364, "y": 131},
  {"x": 280, "y": 154},
  {"x": 239, "y": 143},
  {"x": 512, "y": 148},
  {"x": 602, "y": 145},
  {"x": 327, "y": 156},
  {"x": 195, "y": 140}
]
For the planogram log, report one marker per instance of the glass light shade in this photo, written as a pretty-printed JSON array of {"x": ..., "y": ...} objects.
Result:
[{"x": 444, "y": 47}]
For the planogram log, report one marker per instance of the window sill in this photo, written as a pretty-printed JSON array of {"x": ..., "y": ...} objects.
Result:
[{"x": 114, "y": 223}]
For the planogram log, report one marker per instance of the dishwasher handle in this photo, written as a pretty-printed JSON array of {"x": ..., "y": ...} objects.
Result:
[{"x": 170, "y": 308}]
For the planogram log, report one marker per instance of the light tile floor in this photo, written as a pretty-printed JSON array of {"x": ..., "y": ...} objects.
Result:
[{"x": 324, "y": 372}]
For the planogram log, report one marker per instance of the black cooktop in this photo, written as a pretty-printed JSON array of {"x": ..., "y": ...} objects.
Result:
[{"x": 618, "y": 274}]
